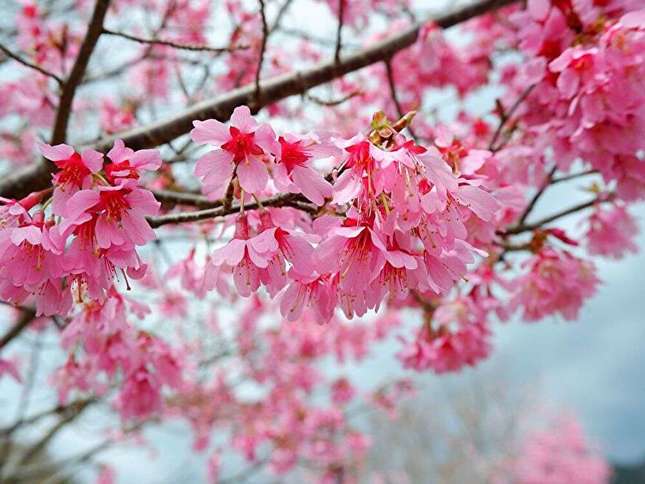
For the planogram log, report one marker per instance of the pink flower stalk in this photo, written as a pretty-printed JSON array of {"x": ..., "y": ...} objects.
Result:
[
  {"x": 240, "y": 150},
  {"x": 247, "y": 255}
]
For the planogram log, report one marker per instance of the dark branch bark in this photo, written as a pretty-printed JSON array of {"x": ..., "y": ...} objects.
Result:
[
  {"x": 169, "y": 197},
  {"x": 273, "y": 90},
  {"x": 38, "y": 176},
  {"x": 25, "y": 320},
  {"x": 529, "y": 208},
  {"x": 339, "y": 30},
  {"x": 174, "y": 45},
  {"x": 94, "y": 31},
  {"x": 26, "y": 63},
  {"x": 552, "y": 218},
  {"x": 263, "y": 47}
]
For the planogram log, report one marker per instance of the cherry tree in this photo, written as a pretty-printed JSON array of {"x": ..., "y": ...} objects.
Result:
[{"x": 203, "y": 203}]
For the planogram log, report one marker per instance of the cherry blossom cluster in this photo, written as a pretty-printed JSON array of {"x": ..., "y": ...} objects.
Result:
[
  {"x": 103, "y": 343},
  {"x": 377, "y": 225},
  {"x": 586, "y": 79},
  {"x": 74, "y": 250},
  {"x": 396, "y": 219}
]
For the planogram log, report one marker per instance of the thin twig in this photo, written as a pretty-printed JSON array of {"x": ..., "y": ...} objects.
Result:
[
  {"x": 573, "y": 176},
  {"x": 280, "y": 16},
  {"x": 59, "y": 409},
  {"x": 26, "y": 63},
  {"x": 25, "y": 320},
  {"x": 174, "y": 45},
  {"x": 506, "y": 116},
  {"x": 529, "y": 208},
  {"x": 263, "y": 46},
  {"x": 188, "y": 199},
  {"x": 393, "y": 94},
  {"x": 41, "y": 444},
  {"x": 552, "y": 218},
  {"x": 339, "y": 30},
  {"x": 333, "y": 102}
]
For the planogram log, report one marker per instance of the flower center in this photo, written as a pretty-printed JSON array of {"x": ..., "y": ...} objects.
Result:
[
  {"x": 292, "y": 154},
  {"x": 241, "y": 145},
  {"x": 114, "y": 203},
  {"x": 73, "y": 171}
]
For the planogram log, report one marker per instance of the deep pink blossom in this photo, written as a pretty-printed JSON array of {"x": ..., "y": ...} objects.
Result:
[{"x": 242, "y": 149}]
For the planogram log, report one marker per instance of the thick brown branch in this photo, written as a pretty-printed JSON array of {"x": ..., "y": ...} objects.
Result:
[
  {"x": 38, "y": 176},
  {"x": 275, "y": 89}
]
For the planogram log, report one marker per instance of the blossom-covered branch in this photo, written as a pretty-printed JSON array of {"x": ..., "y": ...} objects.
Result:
[{"x": 273, "y": 90}]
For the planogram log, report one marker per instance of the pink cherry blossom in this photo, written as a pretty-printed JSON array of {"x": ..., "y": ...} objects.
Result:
[
  {"x": 611, "y": 232},
  {"x": 555, "y": 282},
  {"x": 295, "y": 171},
  {"x": 242, "y": 150}
]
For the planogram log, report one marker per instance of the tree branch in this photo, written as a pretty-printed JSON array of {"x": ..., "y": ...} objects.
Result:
[
  {"x": 339, "y": 30},
  {"x": 505, "y": 117},
  {"x": 174, "y": 45},
  {"x": 263, "y": 47},
  {"x": 25, "y": 320},
  {"x": 529, "y": 208},
  {"x": 573, "y": 176},
  {"x": 273, "y": 90},
  {"x": 183, "y": 198},
  {"x": 94, "y": 30},
  {"x": 289, "y": 200},
  {"x": 393, "y": 94},
  {"x": 26, "y": 63},
  {"x": 518, "y": 229}
]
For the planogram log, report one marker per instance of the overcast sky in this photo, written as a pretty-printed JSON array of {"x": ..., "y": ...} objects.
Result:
[{"x": 593, "y": 365}]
